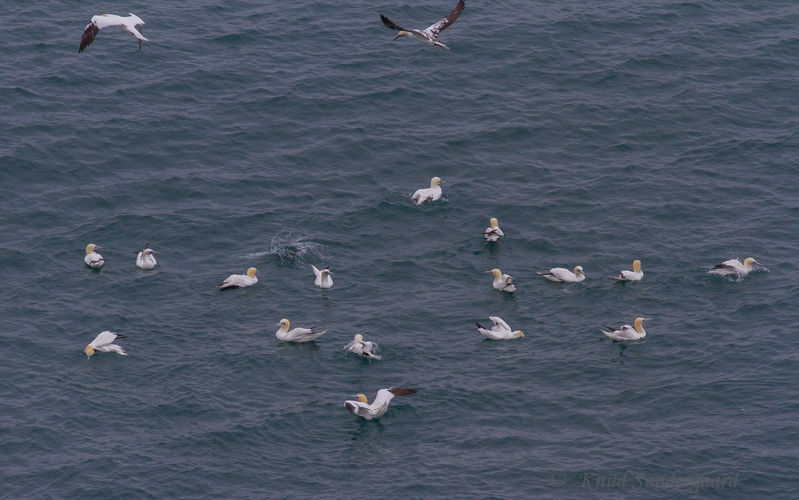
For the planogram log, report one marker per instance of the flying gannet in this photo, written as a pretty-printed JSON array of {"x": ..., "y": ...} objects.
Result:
[
  {"x": 424, "y": 195},
  {"x": 379, "y": 406},
  {"x": 361, "y": 347},
  {"x": 626, "y": 332},
  {"x": 560, "y": 274},
  {"x": 502, "y": 282},
  {"x": 240, "y": 280},
  {"x": 145, "y": 259},
  {"x": 104, "y": 342},
  {"x": 733, "y": 267},
  {"x": 323, "y": 277},
  {"x": 429, "y": 35},
  {"x": 499, "y": 331},
  {"x": 298, "y": 335},
  {"x": 93, "y": 259},
  {"x": 493, "y": 232},
  {"x": 635, "y": 275},
  {"x": 132, "y": 24}
]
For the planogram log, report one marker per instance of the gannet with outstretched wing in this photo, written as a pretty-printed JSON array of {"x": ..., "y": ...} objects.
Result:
[
  {"x": 298, "y": 335},
  {"x": 104, "y": 342},
  {"x": 93, "y": 259},
  {"x": 132, "y": 24},
  {"x": 379, "y": 406},
  {"x": 323, "y": 277},
  {"x": 428, "y": 35},
  {"x": 626, "y": 332},
  {"x": 361, "y": 347},
  {"x": 499, "y": 331}
]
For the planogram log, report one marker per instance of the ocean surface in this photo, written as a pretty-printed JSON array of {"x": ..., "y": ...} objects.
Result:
[{"x": 285, "y": 134}]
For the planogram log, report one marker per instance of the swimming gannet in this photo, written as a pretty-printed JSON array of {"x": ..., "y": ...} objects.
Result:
[
  {"x": 561, "y": 274},
  {"x": 428, "y": 35},
  {"x": 733, "y": 267},
  {"x": 424, "y": 195},
  {"x": 298, "y": 335},
  {"x": 145, "y": 259},
  {"x": 635, "y": 275},
  {"x": 104, "y": 343},
  {"x": 323, "y": 277},
  {"x": 503, "y": 282},
  {"x": 240, "y": 280},
  {"x": 626, "y": 332},
  {"x": 379, "y": 406},
  {"x": 361, "y": 347},
  {"x": 499, "y": 331},
  {"x": 93, "y": 259},
  {"x": 132, "y": 24},
  {"x": 493, "y": 232}
]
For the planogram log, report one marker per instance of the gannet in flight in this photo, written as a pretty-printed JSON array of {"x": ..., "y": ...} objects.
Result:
[
  {"x": 733, "y": 267},
  {"x": 379, "y": 406},
  {"x": 298, "y": 335},
  {"x": 428, "y": 35},
  {"x": 493, "y": 232},
  {"x": 323, "y": 277},
  {"x": 424, "y": 195},
  {"x": 104, "y": 342},
  {"x": 132, "y": 24},
  {"x": 502, "y": 282},
  {"x": 93, "y": 259},
  {"x": 240, "y": 280},
  {"x": 499, "y": 331},
  {"x": 626, "y": 332},
  {"x": 561, "y": 274},
  {"x": 361, "y": 347},
  {"x": 635, "y": 275},
  {"x": 145, "y": 259}
]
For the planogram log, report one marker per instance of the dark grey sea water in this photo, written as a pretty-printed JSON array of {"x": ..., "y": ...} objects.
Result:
[{"x": 285, "y": 134}]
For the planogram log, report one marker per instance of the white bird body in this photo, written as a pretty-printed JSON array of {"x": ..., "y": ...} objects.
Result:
[
  {"x": 298, "y": 335},
  {"x": 734, "y": 267},
  {"x": 323, "y": 277},
  {"x": 627, "y": 332},
  {"x": 502, "y": 282},
  {"x": 132, "y": 24},
  {"x": 492, "y": 233},
  {"x": 145, "y": 258},
  {"x": 93, "y": 259},
  {"x": 104, "y": 342},
  {"x": 635, "y": 275},
  {"x": 560, "y": 274},
  {"x": 499, "y": 331},
  {"x": 429, "y": 35},
  {"x": 363, "y": 409},
  {"x": 425, "y": 195},
  {"x": 240, "y": 280},
  {"x": 361, "y": 347}
]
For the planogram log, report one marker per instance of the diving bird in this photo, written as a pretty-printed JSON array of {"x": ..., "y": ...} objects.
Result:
[
  {"x": 104, "y": 342},
  {"x": 132, "y": 24},
  {"x": 361, "y": 347},
  {"x": 379, "y": 406},
  {"x": 635, "y": 275},
  {"x": 429, "y": 35},
  {"x": 560, "y": 274},
  {"x": 502, "y": 282},
  {"x": 499, "y": 331},
  {"x": 240, "y": 280},
  {"x": 298, "y": 335},
  {"x": 145, "y": 259},
  {"x": 626, "y": 332},
  {"x": 424, "y": 195},
  {"x": 733, "y": 267},
  {"x": 493, "y": 232},
  {"x": 323, "y": 277},
  {"x": 93, "y": 259}
]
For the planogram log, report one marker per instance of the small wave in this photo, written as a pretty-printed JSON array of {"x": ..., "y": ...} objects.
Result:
[{"x": 293, "y": 247}]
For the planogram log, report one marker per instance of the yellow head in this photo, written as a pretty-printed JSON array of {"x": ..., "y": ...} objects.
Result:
[
  {"x": 519, "y": 334},
  {"x": 89, "y": 350},
  {"x": 578, "y": 270},
  {"x": 362, "y": 398},
  {"x": 435, "y": 181},
  {"x": 748, "y": 262},
  {"x": 284, "y": 323},
  {"x": 90, "y": 248},
  {"x": 637, "y": 266},
  {"x": 497, "y": 274},
  {"x": 251, "y": 272},
  {"x": 638, "y": 323},
  {"x": 494, "y": 223},
  {"x": 357, "y": 338},
  {"x": 401, "y": 33}
]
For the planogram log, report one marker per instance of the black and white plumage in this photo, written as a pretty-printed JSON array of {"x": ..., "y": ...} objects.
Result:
[
  {"x": 430, "y": 34},
  {"x": 735, "y": 268},
  {"x": 298, "y": 335},
  {"x": 500, "y": 330},
  {"x": 132, "y": 24},
  {"x": 367, "y": 411},
  {"x": 323, "y": 278},
  {"x": 425, "y": 195},
  {"x": 93, "y": 259},
  {"x": 560, "y": 274},
  {"x": 361, "y": 347},
  {"x": 104, "y": 342},
  {"x": 626, "y": 332},
  {"x": 145, "y": 259},
  {"x": 502, "y": 282}
]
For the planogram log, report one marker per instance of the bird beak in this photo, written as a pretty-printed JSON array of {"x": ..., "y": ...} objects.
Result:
[
  {"x": 156, "y": 252},
  {"x": 278, "y": 324},
  {"x": 398, "y": 35},
  {"x": 98, "y": 246}
]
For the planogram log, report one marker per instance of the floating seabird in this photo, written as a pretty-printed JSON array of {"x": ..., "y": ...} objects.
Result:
[
  {"x": 323, "y": 277},
  {"x": 626, "y": 332},
  {"x": 635, "y": 275},
  {"x": 104, "y": 342},
  {"x": 240, "y": 280},
  {"x": 734, "y": 267},
  {"x": 493, "y": 232},
  {"x": 379, "y": 406},
  {"x": 424, "y": 195},
  {"x": 499, "y": 331},
  {"x": 502, "y": 282},
  {"x": 561, "y": 274},
  {"x": 361, "y": 347},
  {"x": 145, "y": 259},
  {"x": 132, "y": 24},
  {"x": 298, "y": 335},
  {"x": 428, "y": 35},
  {"x": 93, "y": 259}
]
